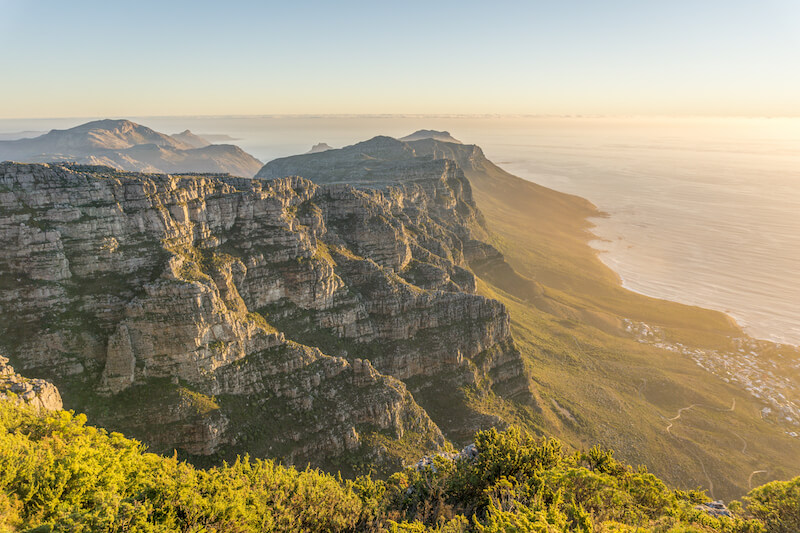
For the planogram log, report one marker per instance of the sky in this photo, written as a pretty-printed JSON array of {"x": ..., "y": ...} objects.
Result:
[{"x": 87, "y": 58}]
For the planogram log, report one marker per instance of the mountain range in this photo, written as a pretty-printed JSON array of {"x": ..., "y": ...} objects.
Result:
[
  {"x": 125, "y": 145},
  {"x": 361, "y": 307}
]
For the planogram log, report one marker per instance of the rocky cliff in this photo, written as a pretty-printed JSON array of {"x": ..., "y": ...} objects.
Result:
[
  {"x": 217, "y": 315},
  {"x": 37, "y": 393},
  {"x": 384, "y": 162}
]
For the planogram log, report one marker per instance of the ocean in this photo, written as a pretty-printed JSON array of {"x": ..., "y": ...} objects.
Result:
[{"x": 700, "y": 211}]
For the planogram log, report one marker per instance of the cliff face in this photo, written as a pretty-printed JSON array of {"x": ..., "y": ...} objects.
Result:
[
  {"x": 37, "y": 393},
  {"x": 221, "y": 315}
]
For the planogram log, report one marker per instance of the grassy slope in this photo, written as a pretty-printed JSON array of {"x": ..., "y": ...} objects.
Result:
[{"x": 596, "y": 384}]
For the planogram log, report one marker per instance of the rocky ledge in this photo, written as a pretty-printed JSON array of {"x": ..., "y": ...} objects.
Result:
[{"x": 37, "y": 393}]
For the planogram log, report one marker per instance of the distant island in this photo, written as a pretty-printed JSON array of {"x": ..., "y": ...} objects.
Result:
[
  {"x": 15, "y": 135},
  {"x": 215, "y": 137}
]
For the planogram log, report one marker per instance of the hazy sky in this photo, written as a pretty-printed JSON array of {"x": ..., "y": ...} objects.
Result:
[{"x": 106, "y": 58}]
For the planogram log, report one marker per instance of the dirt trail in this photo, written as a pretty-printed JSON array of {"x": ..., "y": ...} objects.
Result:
[
  {"x": 641, "y": 387},
  {"x": 750, "y": 479},
  {"x": 744, "y": 443},
  {"x": 676, "y": 417},
  {"x": 682, "y": 409},
  {"x": 710, "y": 483},
  {"x": 699, "y": 460}
]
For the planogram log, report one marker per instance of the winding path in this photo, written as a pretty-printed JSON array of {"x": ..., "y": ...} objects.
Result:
[
  {"x": 682, "y": 409},
  {"x": 672, "y": 421},
  {"x": 641, "y": 387},
  {"x": 744, "y": 443},
  {"x": 750, "y": 479},
  {"x": 676, "y": 417},
  {"x": 710, "y": 483}
]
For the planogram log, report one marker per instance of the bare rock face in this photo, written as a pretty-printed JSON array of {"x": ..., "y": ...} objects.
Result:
[
  {"x": 222, "y": 315},
  {"x": 37, "y": 393},
  {"x": 320, "y": 147}
]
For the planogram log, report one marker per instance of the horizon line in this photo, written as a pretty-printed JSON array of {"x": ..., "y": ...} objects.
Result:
[{"x": 415, "y": 115}]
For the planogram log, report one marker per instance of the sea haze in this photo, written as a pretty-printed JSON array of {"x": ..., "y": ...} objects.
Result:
[{"x": 701, "y": 211}]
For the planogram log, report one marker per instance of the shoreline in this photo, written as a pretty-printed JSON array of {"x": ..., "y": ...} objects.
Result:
[{"x": 606, "y": 257}]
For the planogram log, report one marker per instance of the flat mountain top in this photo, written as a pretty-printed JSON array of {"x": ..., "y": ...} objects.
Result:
[
  {"x": 320, "y": 147},
  {"x": 379, "y": 161},
  {"x": 431, "y": 134}
]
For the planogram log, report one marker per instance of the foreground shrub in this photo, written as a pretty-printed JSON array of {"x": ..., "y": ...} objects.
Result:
[{"x": 58, "y": 474}]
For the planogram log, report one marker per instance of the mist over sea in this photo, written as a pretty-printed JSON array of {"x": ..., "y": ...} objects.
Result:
[{"x": 700, "y": 211}]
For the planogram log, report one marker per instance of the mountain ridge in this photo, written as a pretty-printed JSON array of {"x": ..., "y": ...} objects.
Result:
[
  {"x": 385, "y": 304},
  {"x": 222, "y": 315},
  {"x": 572, "y": 320},
  {"x": 125, "y": 145},
  {"x": 443, "y": 136}
]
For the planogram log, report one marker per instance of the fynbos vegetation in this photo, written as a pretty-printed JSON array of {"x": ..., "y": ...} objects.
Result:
[{"x": 58, "y": 474}]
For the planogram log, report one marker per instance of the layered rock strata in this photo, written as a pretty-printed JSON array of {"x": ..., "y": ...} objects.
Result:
[
  {"x": 218, "y": 315},
  {"x": 37, "y": 393}
]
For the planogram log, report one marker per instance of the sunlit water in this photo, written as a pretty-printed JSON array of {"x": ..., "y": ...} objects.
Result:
[{"x": 704, "y": 212}]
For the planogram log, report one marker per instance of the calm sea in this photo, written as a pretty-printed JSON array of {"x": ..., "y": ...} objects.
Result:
[{"x": 701, "y": 211}]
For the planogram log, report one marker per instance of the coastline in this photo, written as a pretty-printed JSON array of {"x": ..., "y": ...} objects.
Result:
[
  {"x": 641, "y": 284},
  {"x": 608, "y": 353}
]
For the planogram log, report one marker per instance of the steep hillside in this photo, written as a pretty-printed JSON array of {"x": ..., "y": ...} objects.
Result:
[
  {"x": 222, "y": 315},
  {"x": 646, "y": 377},
  {"x": 125, "y": 145}
]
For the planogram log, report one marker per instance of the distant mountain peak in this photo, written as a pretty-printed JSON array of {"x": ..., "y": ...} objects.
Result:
[
  {"x": 443, "y": 136},
  {"x": 129, "y": 146},
  {"x": 190, "y": 139},
  {"x": 106, "y": 123},
  {"x": 320, "y": 147}
]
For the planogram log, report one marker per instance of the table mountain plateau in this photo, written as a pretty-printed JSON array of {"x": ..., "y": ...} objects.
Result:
[{"x": 125, "y": 145}]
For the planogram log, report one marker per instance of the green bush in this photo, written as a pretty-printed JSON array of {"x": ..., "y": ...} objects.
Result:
[
  {"x": 58, "y": 474},
  {"x": 777, "y": 505}
]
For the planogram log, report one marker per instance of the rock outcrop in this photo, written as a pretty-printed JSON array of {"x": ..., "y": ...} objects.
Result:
[
  {"x": 320, "y": 147},
  {"x": 37, "y": 393},
  {"x": 221, "y": 315}
]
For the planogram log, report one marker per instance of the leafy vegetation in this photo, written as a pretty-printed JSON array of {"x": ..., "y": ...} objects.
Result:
[
  {"x": 58, "y": 474},
  {"x": 777, "y": 504}
]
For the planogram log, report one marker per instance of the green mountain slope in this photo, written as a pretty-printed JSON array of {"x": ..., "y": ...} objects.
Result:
[{"x": 598, "y": 384}]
